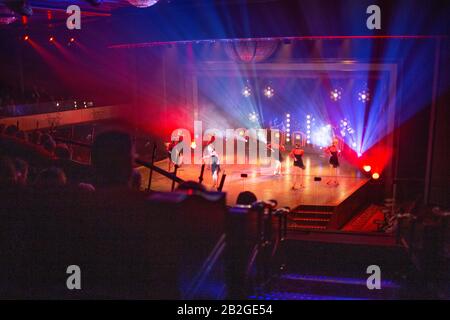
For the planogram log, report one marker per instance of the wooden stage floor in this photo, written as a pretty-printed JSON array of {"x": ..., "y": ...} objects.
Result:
[{"x": 266, "y": 186}]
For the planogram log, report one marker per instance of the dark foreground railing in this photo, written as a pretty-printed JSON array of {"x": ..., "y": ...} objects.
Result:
[{"x": 148, "y": 164}]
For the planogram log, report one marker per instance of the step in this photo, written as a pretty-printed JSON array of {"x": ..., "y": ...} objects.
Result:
[
  {"x": 303, "y": 226},
  {"x": 332, "y": 286},
  {"x": 310, "y": 221},
  {"x": 311, "y": 214},
  {"x": 315, "y": 208},
  {"x": 282, "y": 295}
]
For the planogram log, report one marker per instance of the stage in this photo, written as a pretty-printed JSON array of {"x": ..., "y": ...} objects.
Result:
[{"x": 266, "y": 186}]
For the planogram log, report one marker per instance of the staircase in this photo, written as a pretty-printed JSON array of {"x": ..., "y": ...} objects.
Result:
[
  {"x": 295, "y": 286},
  {"x": 332, "y": 266},
  {"x": 310, "y": 218}
]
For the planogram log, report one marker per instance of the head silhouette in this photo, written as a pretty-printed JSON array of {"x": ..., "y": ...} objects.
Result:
[
  {"x": 246, "y": 198},
  {"x": 112, "y": 158}
]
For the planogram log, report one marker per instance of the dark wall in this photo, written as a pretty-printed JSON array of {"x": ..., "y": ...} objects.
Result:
[{"x": 440, "y": 161}]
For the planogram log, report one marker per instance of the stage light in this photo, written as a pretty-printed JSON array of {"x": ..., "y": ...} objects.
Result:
[
  {"x": 354, "y": 144},
  {"x": 26, "y": 38},
  {"x": 297, "y": 137},
  {"x": 287, "y": 139},
  {"x": 268, "y": 92},
  {"x": 359, "y": 154},
  {"x": 253, "y": 117},
  {"x": 95, "y": 3},
  {"x": 288, "y": 119},
  {"x": 20, "y": 7},
  {"x": 287, "y": 115},
  {"x": 277, "y": 135},
  {"x": 193, "y": 145},
  {"x": 288, "y": 125},
  {"x": 363, "y": 96},
  {"x": 246, "y": 92},
  {"x": 72, "y": 40},
  {"x": 367, "y": 168},
  {"x": 376, "y": 176},
  {"x": 308, "y": 116},
  {"x": 51, "y": 39},
  {"x": 335, "y": 94},
  {"x": 241, "y": 133}
]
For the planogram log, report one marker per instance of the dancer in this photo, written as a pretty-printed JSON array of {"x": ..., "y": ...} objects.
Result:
[
  {"x": 274, "y": 148},
  {"x": 297, "y": 155},
  {"x": 171, "y": 147},
  {"x": 334, "y": 161},
  {"x": 215, "y": 164}
]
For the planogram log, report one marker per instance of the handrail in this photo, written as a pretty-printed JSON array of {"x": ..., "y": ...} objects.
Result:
[
  {"x": 163, "y": 172},
  {"x": 76, "y": 143},
  {"x": 206, "y": 268},
  {"x": 146, "y": 164}
]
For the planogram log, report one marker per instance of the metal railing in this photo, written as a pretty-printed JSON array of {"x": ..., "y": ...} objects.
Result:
[
  {"x": 250, "y": 267},
  {"x": 150, "y": 165}
]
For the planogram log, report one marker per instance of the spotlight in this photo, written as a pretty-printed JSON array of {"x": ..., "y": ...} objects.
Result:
[
  {"x": 376, "y": 176},
  {"x": 354, "y": 144},
  {"x": 21, "y": 7},
  {"x": 51, "y": 39},
  {"x": 246, "y": 92},
  {"x": 363, "y": 96},
  {"x": 193, "y": 145},
  {"x": 94, "y": 3},
  {"x": 288, "y": 115},
  {"x": 335, "y": 94},
  {"x": 72, "y": 40},
  {"x": 253, "y": 117},
  {"x": 268, "y": 92},
  {"x": 26, "y": 38},
  {"x": 367, "y": 168}
]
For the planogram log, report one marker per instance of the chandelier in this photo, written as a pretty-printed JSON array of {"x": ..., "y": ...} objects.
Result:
[{"x": 143, "y": 3}]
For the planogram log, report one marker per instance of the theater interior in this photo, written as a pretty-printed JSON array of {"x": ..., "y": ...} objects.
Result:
[{"x": 215, "y": 150}]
